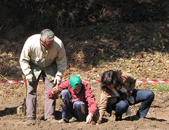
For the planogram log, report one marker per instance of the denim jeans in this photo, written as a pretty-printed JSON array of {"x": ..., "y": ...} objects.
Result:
[
  {"x": 76, "y": 109},
  {"x": 144, "y": 96}
]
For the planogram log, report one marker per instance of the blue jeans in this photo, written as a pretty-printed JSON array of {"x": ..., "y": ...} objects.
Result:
[
  {"x": 144, "y": 96},
  {"x": 76, "y": 109}
]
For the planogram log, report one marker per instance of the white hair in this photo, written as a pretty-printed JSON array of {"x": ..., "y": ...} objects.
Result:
[{"x": 47, "y": 33}]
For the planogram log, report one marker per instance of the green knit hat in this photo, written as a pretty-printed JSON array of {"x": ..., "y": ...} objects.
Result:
[{"x": 74, "y": 80}]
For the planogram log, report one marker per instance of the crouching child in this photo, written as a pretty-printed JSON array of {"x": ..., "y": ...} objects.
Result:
[{"x": 79, "y": 100}]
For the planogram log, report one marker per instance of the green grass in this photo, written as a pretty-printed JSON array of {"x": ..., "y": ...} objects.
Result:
[
  {"x": 166, "y": 57},
  {"x": 156, "y": 77},
  {"x": 100, "y": 62},
  {"x": 161, "y": 88},
  {"x": 127, "y": 62}
]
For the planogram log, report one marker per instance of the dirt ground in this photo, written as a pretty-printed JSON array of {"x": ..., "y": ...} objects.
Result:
[
  {"x": 157, "y": 117},
  {"x": 89, "y": 57}
]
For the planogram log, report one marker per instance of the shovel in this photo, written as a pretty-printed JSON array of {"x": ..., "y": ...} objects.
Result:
[{"x": 22, "y": 109}]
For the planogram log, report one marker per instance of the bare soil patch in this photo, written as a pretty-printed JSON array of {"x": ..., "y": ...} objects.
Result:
[
  {"x": 157, "y": 117},
  {"x": 141, "y": 50}
]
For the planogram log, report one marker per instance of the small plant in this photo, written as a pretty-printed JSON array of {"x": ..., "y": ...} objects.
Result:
[
  {"x": 156, "y": 76},
  {"x": 126, "y": 62},
  {"x": 100, "y": 62},
  {"x": 159, "y": 67}
]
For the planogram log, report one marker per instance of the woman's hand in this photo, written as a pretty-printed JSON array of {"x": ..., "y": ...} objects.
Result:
[
  {"x": 129, "y": 94},
  {"x": 123, "y": 95},
  {"x": 98, "y": 122}
]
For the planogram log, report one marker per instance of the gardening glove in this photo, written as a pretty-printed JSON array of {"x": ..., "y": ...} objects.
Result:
[
  {"x": 57, "y": 80},
  {"x": 29, "y": 78}
]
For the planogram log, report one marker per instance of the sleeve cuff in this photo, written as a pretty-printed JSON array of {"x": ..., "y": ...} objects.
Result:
[{"x": 59, "y": 74}]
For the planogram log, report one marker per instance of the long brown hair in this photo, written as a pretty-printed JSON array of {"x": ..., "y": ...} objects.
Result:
[{"x": 110, "y": 77}]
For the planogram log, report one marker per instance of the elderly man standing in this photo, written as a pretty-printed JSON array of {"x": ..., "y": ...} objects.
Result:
[{"x": 42, "y": 55}]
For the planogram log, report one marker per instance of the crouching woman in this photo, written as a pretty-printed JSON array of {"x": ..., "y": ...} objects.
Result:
[{"x": 118, "y": 92}]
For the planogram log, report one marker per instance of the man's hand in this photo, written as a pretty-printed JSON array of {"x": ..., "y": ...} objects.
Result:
[
  {"x": 55, "y": 90},
  {"x": 57, "y": 80},
  {"x": 89, "y": 118},
  {"x": 29, "y": 78}
]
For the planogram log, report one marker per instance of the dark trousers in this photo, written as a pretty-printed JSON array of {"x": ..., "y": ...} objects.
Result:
[
  {"x": 31, "y": 99},
  {"x": 77, "y": 109},
  {"x": 144, "y": 96}
]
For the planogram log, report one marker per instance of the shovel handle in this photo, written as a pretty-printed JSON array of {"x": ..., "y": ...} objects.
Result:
[{"x": 25, "y": 94}]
